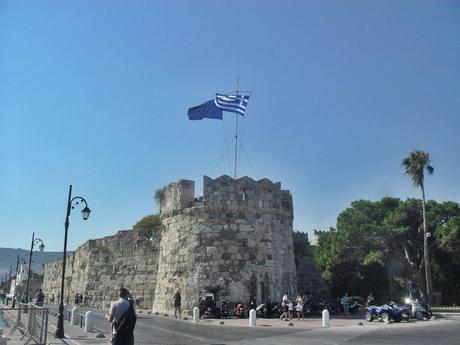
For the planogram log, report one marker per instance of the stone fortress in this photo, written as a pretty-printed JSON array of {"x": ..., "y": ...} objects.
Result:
[{"x": 236, "y": 241}]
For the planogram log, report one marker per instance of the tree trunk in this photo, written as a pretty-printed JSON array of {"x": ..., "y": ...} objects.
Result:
[{"x": 426, "y": 254}]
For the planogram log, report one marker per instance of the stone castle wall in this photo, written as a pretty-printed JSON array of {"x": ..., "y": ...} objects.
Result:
[
  {"x": 236, "y": 241},
  {"x": 309, "y": 280},
  {"x": 98, "y": 269}
]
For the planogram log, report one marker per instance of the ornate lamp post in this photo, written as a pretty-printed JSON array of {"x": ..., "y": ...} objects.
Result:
[
  {"x": 16, "y": 279},
  {"x": 41, "y": 247},
  {"x": 85, "y": 214}
]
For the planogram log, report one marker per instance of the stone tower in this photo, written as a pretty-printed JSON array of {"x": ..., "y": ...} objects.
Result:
[{"x": 236, "y": 241}]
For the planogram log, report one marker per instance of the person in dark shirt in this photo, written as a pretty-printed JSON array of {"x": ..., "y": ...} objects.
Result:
[
  {"x": 177, "y": 302},
  {"x": 39, "y": 298}
]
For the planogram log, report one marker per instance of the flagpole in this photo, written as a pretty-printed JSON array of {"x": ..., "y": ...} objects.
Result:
[{"x": 236, "y": 131}]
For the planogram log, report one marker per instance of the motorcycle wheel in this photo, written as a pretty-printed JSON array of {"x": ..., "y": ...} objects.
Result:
[
  {"x": 368, "y": 316},
  {"x": 385, "y": 317},
  {"x": 419, "y": 315}
]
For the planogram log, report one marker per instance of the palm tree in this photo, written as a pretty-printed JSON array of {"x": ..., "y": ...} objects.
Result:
[{"x": 414, "y": 166}]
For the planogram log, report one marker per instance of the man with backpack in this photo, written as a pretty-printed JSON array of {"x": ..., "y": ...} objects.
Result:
[{"x": 123, "y": 318}]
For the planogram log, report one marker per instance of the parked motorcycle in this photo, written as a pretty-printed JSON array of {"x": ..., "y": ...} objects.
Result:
[
  {"x": 261, "y": 310},
  {"x": 418, "y": 310},
  {"x": 225, "y": 310},
  {"x": 386, "y": 312},
  {"x": 238, "y": 311},
  {"x": 268, "y": 310},
  {"x": 208, "y": 308},
  {"x": 252, "y": 305}
]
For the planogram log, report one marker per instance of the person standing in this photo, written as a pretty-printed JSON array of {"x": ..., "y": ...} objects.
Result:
[
  {"x": 39, "y": 298},
  {"x": 299, "y": 307},
  {"x": 370, "y": 300},
  {"x": 345, "y": 303},
  {"x": 123, "y": 319},
  {"x": 177, "y": 303}
]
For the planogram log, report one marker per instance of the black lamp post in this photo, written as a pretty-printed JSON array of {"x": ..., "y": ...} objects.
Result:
[
  {"x": 41, "y": 247},
  {"x": 85, "y": 214},
  {"x": 16, "y": 279}
]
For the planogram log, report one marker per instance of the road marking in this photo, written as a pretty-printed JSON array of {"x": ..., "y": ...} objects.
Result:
[
  {"x": 67, "y": 338},
  {"x": 206, "y": 340}
]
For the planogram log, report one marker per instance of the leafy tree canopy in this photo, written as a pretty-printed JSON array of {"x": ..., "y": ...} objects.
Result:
[
  {"x": 373, "y": 237},
  {"x": 150, "y": 221}
]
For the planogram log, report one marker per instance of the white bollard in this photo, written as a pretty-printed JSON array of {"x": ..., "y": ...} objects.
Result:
[
  {"x": 74, "y": 316},
  {"x": 196, "y": 314},
  {"x": 325, "y": 318},
  {"x": 252, "y": 317},
  {"x": 89, "y": 321}
]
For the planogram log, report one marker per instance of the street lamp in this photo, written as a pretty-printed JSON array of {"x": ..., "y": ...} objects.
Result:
[
  {"x": 41, "y": 247},
  {"x": 85, "y": 214},
  {"x": 16, "y": 279}
]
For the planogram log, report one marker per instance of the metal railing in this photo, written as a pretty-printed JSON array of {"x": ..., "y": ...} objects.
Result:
[{"x": 30, "y": 320}]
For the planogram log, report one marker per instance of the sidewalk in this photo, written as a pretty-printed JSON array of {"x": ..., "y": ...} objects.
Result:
[{"x": 74, "y": 335}]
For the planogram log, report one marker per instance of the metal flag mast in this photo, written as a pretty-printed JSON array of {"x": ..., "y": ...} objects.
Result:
[{"x": 236, "y": 132}]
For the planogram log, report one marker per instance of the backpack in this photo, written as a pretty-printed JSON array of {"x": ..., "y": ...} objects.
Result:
[{"x": 127, "y": 323}]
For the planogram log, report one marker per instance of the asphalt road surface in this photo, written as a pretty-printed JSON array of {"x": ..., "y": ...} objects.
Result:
[{"x": 158, "y": 330}]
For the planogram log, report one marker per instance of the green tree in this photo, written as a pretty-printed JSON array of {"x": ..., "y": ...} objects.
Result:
[
  {"x": 415, "y": 165},
  {"x": 150, "y": 221},
  {"x": 375, "y": 239}
]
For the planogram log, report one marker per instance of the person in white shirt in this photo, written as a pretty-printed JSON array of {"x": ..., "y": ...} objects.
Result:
[{"x": 117, "y": 310}]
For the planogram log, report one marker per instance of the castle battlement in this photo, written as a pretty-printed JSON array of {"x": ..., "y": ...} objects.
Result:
[{"x": 226, "y": 192}]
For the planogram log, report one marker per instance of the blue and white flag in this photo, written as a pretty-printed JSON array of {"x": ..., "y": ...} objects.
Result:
[
  {"x": 233, "y": 103},
  {"x": 206, "y": 110}
]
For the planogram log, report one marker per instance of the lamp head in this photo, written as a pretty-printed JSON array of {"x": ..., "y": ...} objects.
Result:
[
  {"x": 85, "y": 213},
  {"x": 41, "y": 247}
]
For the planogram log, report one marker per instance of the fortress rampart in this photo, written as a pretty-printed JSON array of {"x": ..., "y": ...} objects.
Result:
[
  {"x": 98, "y": 268},
  {"x": 236, "y": 241}
]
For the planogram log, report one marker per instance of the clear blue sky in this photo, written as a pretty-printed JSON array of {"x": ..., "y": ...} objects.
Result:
[{"x": 95, "y": 94}]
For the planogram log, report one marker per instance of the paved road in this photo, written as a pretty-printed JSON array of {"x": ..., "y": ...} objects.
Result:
[{"x": 156, "y": 330}]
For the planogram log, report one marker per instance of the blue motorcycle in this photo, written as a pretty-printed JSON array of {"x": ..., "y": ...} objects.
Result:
[{"x": 386, "y": 313}]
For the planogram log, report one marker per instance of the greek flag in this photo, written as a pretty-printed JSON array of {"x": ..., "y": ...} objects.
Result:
[{"x": 233, "y": 103}]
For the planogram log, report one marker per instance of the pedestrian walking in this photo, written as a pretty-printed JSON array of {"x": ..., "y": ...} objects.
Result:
[
  {"x": 177, "y": 303},
  {"x": 285, "y": 306},
  {"x": 123, "y": 319}
]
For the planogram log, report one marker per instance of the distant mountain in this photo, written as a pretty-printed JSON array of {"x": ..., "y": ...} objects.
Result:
[{"x": 8, "y": 258}]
